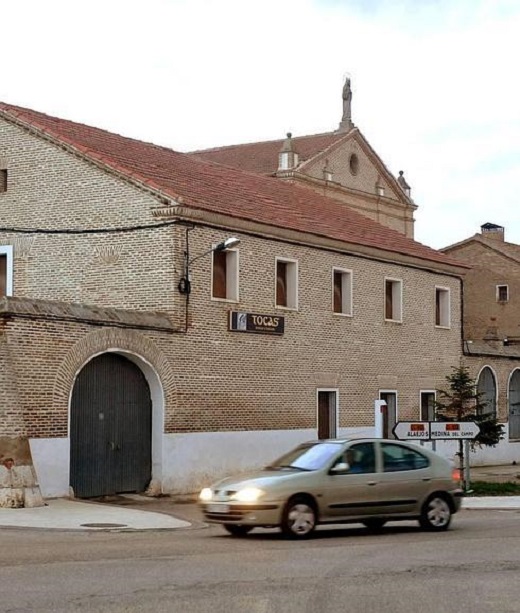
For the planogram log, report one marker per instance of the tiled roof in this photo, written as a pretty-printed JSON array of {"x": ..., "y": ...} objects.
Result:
[
  {"x": 263, "y": 157},
  {"x": 509, "y": 250},
  {"x": 212, "y": 187}
]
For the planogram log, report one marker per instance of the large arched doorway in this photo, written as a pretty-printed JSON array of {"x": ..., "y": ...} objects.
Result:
[
  {"x": 514, "y": 406},
  {"x": 110, "y": 428}
]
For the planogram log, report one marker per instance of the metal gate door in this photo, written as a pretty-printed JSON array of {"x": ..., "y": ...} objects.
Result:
[
  {"x": 110, "y": 428},
  {"x": 514, "y": 406}
]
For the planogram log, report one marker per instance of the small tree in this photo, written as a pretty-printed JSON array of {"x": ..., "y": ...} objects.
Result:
[{"x": 462, "y": 402}]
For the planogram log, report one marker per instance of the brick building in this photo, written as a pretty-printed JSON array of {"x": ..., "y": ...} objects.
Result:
[
  {"x": 491, "y": 326},
  {"x": 135, "y": 352}
]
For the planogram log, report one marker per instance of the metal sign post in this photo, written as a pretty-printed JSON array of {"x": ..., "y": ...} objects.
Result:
[{"x": 440, "y": 431}]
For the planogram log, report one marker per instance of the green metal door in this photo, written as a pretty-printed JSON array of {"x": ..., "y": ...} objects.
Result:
[{"x": 110, "y": 428}]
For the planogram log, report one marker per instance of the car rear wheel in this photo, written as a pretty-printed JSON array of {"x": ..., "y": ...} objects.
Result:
[
  {"x": 299, "y": 518},
  {"x": 374, "y": 524},
  {"x": 237, "y": 530},
  {"x": 435, "y": 514}
]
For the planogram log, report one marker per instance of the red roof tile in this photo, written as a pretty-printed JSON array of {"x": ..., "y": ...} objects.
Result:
[
  {"x": 263, "y": 157},
  {"x": 221, "y": 189}
]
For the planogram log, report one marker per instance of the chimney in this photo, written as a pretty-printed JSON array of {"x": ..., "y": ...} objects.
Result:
[
  {"x": 287, "y": 158},
  {"x": 493, "y": 232}
]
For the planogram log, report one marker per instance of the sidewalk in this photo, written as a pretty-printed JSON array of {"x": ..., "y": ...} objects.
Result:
[
  {"x": 66, "y": 514},
  {"x": 135, "y": 512},
  {"x": 494, "y": 474}
]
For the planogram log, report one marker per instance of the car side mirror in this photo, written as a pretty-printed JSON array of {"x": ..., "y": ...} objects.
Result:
[{"x": 341, "y": 467}]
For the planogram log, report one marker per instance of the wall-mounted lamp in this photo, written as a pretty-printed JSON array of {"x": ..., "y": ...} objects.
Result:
[{"x": 185, "y": 282}]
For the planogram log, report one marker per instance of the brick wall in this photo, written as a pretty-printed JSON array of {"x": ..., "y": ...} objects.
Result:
[
  {"x": 482, "y": 311},
  {"x": 212, "y": 379}
]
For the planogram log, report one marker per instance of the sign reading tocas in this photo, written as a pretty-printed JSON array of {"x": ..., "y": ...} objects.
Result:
[
  {"x": 435, "y": 430},
  {"x": 255, "y": 322}
]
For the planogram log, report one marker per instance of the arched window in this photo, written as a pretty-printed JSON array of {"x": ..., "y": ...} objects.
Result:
[
  {"x": 514, "y": 406},
  {"x": 487, "y": 387}
]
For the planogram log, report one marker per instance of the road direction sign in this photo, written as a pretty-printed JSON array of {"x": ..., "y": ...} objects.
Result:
[
  {"x": 435, "y": 430},
  {"x": 453, "y": 430},
  {"x": 414, "y": 430}
]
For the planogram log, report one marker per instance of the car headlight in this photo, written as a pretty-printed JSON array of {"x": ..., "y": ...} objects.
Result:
[
  {"x": 248, "y": 494},
  {"x": 206, "y": 494}
]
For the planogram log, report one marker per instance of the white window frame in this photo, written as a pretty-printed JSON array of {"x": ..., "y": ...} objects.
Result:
[
  {"x": 232, "y": 276},
  {"x": 291, "y": 281},
  {"x": 498, "y": 292},
  {"x": 7, "y": 250},
  {"x": 397, "y": 299},
  {"x": 444, "y": 294},
  {"x": 346, "y": 291}
]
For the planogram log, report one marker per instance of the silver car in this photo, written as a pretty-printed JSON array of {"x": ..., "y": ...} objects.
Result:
[{"x": 368, "y": 481}]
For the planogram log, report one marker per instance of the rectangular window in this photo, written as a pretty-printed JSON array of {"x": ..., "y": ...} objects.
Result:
[
  {"x": 393, "y": 299},
  {"x": 428, "y": 406},
  {"x": 442, "y": 307},
  {"x": 390, "y": 412},
  {"x": 6, "y": 270},
  {"x": 287, "y": 283},
  {"x": 327, "y": 413},
  {"x": 225, "y": 275},
  {"x": 502, "y": 293},
  {"x": 342, "y": 291},
  {"x": 3, "y": 180}
]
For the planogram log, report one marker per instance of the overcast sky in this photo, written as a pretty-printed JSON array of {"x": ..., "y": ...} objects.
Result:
[{"x": 436, "y": 86}]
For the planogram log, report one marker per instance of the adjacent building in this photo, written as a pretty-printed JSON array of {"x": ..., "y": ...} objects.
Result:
[{"x": 491, "y": 327}]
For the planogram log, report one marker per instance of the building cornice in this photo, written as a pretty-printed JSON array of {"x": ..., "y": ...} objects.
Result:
[{"x": 204, "y": 217}]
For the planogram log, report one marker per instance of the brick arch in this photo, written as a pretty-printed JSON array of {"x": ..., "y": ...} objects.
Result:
[{"x": 111, "y": 339}]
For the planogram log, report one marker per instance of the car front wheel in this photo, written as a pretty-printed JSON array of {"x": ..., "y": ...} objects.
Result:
[
  {"x": 299, "y": 518},
  {"x": 435, "y": 514},
  {"x": 237, "y": 530}
]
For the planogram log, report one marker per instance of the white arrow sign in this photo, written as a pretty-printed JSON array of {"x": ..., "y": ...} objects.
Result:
[
  {"x": 435, "y": 430},
  {"x": 452, "y": 430},
  {"x": 417, "y": 430}
]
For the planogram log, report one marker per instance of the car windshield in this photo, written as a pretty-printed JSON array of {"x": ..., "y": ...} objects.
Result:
[{"x": 311, "y": 456}]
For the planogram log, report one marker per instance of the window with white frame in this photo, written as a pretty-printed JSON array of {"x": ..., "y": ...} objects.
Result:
[
  {"x": 286, "y": 283},
  {"x": 6, "y": 270},
  {"x": 224, "y": 283},
  {"x": 393, "y": 299},
  {"x": 342, "y": 291},
  {"x": 502, "y": 293},
  {"x": 442, "y": 307}
]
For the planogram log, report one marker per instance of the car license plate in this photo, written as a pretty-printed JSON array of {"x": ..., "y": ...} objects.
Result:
[{"x": 217, "y": 508}]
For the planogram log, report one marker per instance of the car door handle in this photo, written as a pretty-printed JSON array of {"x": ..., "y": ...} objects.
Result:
[
  {"x": 371, "y": 482},
  {"x": 426, "y": 478}
]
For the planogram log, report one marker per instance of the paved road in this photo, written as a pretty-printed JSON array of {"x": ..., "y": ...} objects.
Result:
[{"x": 474, "y": 567}]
